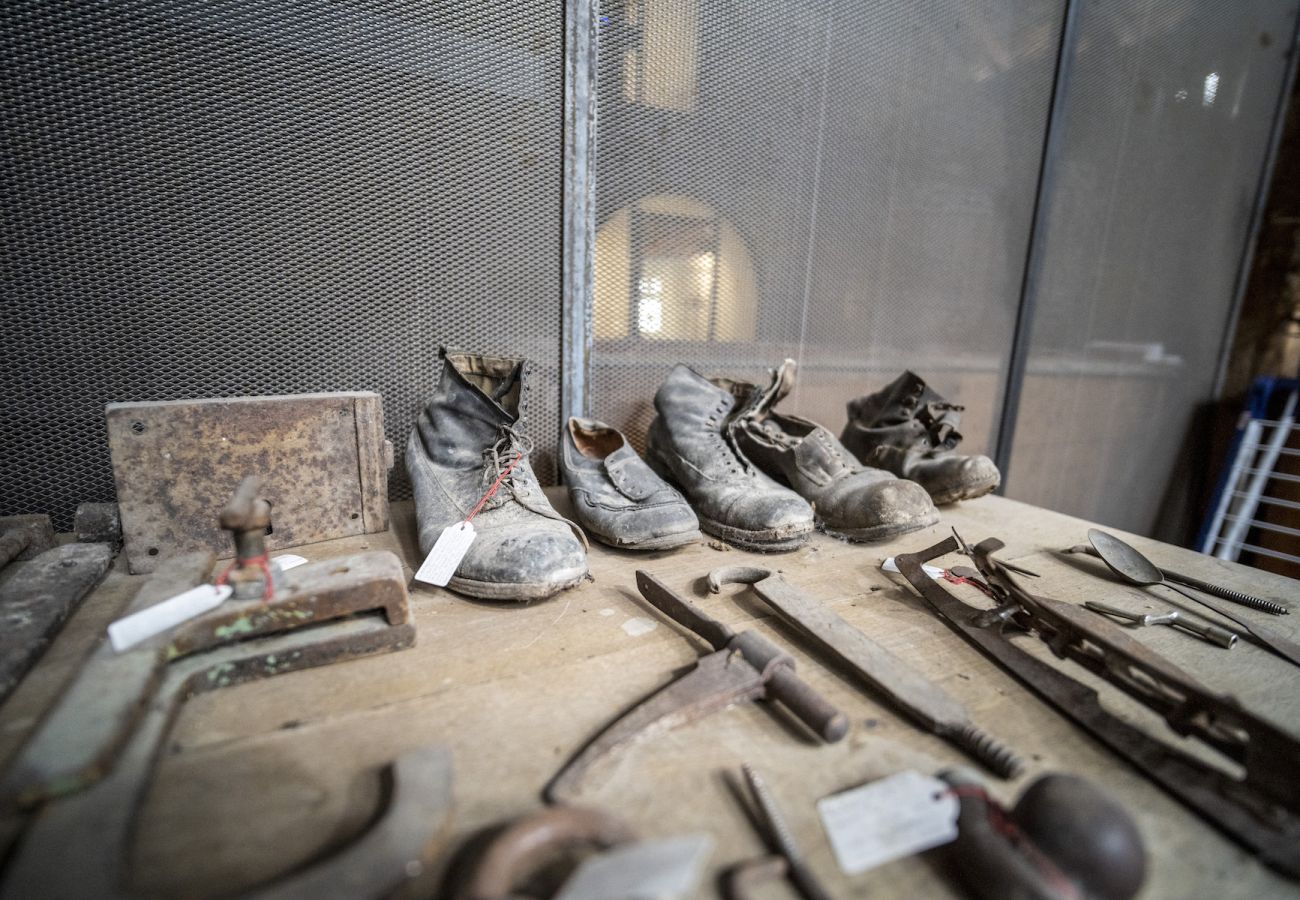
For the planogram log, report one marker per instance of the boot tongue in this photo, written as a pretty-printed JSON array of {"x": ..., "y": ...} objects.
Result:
[
  {"x": 630, "y": 474},
  {"x": 495, "y": 379}
]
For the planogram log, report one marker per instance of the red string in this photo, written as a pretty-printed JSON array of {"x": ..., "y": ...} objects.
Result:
[
  {"x": 263, "y": 562},
  {"x": 1003, "y": 824},
  {"x": 496, "y": 484}
]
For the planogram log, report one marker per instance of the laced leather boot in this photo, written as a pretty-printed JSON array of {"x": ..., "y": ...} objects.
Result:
[
  {"x": 464, "y": 439},
  {"x": 691, "y": 447},
  {"x": 850, "y": 500},
  {"x": 911, "y": 431}
]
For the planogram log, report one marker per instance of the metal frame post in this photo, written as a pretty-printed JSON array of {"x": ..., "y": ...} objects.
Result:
[
  {"x": 1053, "y": 140},
  {"x": 581, "y": 21}
]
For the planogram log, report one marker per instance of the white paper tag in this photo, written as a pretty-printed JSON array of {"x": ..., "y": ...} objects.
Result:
[
  {"x": 888, "y": 819},
  {"x": 289, "y": 561},
  {"x": 666, "y": 869},
  {"x": 890, "y": 566},
  {"x": 130, "y": 630},
  {"x": 447, "y": 552}
]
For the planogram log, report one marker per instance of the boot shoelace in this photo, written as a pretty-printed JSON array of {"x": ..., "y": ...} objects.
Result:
[
  {"x": 499, "y": 465},
  {"x": 726, "y": 439},
  {"x": 498, "y": 458}
]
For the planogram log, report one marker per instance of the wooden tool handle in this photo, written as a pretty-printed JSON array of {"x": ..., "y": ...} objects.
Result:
[{"x": 809, "y": 706}]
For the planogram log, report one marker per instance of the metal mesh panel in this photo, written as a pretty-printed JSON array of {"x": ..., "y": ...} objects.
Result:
[
  {"x": 1166, "y": 119},
  {"x": 849, "y": 184},
  {"x": 242, "y": 197}
]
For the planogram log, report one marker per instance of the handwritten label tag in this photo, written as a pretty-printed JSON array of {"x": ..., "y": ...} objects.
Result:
[
  {"x": 287, "y": 561},
  {"x": 447, "y": 552},
  {"x": 888, "y": 819},
  {"x": 130, "y": 630}
]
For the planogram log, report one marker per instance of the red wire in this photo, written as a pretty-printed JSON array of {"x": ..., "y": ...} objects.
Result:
[
  {"x": 1003, "y": 824},
  {"x": 496, "y": 484},
  {"x": 263, "y": 562}
]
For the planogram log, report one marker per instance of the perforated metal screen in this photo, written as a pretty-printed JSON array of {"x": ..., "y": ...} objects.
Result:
[
  {"x": 1166, "y": 125},
  {"x": 848, "y": 184},
  {"x": 242, "y": 197}
]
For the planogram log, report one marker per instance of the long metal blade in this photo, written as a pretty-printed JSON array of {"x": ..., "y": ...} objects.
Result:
[
  {"x": 1230, "y": 805},
  {"x": 684, "y": 613},
  {"x": 717, "y": 681},
  {"x": 934, "y": 707}
]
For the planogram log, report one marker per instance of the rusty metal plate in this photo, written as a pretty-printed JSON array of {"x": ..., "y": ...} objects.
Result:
[{"x": 323, "y": 459}]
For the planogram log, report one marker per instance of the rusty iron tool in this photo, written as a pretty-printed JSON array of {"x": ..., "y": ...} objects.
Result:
[
  {"x": 927, "y": 704},
  {"x": 533, "y": 841},
  {"x": 247, "y": 517},
  {"x": 1064, "y": 839},
  {"x": 1206, "y": 631},
  {"x": 410, "y": 830},
  {"x": 94, "y": 826},
  {"x": 78, "y": 742},
  {"x": 1214, "y": 590},
  {"x": 1126, "y": 562},
  {"x": 785, "y": 861},
  {"x": 745, "y": 666},
  {"x": 1260, "y": 811},
  {"x": 24, "y": 537},
  {"x": 37, "y": 597}
]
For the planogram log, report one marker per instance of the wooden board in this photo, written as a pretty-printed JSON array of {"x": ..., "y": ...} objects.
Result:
[
  {"x": 322, "y": 457},
  {"x": 266, "y": 776}
]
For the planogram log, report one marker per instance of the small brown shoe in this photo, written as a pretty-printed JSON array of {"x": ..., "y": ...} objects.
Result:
[{"x": 617, "y": 498}]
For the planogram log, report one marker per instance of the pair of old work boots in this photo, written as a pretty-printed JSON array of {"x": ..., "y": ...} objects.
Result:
[{"x": 753, "y": 477}]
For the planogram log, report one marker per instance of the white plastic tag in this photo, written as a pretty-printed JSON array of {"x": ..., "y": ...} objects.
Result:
[
  {"x": 447, "y": 552},
  {"x": 130, "y": 630},
  {"x": 888, "y": 819},
  {"x": 288, "y": 561},
  {"x": 890, "y": 566},
  {"x": 665, "y": 869}
]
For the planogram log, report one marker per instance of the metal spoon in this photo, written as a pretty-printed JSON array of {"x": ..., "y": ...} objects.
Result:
[{"x": 1133, "y": 567}]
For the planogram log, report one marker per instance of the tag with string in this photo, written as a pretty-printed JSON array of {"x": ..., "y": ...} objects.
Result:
[{"x": 453, "y": 543}]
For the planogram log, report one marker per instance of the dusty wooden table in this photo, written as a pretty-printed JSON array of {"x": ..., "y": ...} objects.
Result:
[{"x": 263, "y": 777}]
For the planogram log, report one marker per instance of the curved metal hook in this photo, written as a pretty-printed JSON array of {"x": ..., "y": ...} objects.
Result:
[{"x": 736, "y": 575}]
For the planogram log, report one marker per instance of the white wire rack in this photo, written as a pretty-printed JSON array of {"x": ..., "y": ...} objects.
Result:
[{"x": 1262, "y": 442}]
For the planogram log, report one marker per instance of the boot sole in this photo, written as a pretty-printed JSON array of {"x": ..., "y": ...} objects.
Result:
[
  {"x": 501, "y": 590},
  {"x": 876, "y": 532},
  {"x": 663, "y": 542},
  {"x": 768, "y": 541},
  {"x": 965, "y": 492}
]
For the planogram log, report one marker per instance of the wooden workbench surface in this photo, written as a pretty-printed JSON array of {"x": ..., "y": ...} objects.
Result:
[{"x": 262, "y": 777}]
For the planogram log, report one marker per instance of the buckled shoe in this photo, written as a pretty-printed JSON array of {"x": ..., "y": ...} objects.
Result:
[
  {"x": 464, "y": 439},
  {"x": 908, "y": 429},
  {"x": 691, "y": 446},
  {"x": 617, "y": 498},
  {"x": 850, "y": 500}
]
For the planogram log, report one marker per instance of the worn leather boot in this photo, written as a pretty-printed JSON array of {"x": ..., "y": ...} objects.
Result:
[
  {"x": 911, "y": 431},
  {"x": 465, "y": 437},
  {"x": 616, "y": 497},
  {"x": 690, "y": 446},
  {"x": 850, "y": 500}
]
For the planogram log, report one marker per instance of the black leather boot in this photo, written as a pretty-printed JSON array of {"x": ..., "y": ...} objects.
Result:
[
  {"x": 689, "y": 445},
  {"x": 465, "y": 437},
  {"x": 911, "y": 431},
  {"x": 850, "y": 500}
]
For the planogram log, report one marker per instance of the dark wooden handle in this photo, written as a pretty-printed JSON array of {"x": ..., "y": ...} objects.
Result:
[{"x": 809, "y": 706}]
